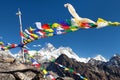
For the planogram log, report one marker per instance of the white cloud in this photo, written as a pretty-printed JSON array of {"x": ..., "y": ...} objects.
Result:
[
  {"x": 34, "y": 45},
  {"x": 37, "y": 45}
]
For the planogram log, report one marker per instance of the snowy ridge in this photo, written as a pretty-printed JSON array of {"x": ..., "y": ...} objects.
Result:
[{"x": 50, "y": 52}]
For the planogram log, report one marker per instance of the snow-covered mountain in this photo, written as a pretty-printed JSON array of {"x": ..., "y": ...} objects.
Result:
[
  {"x": 50, "y": 52},
  {"x": 93, "y": 70},
  {"x": 114, "y": 61},
  {"x": 100, "y": 58}
]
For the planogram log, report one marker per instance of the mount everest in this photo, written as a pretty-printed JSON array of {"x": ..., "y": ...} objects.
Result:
[{"x": 50, "y": 52}]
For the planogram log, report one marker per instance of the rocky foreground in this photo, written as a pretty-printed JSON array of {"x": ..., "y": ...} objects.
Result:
[{"x": 10, "y": 69}]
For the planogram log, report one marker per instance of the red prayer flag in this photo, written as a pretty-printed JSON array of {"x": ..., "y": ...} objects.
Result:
[
  {"x": 25, "y": 51},
  {"x": 21, "y": 34},
  {"x": 13, "y": 45},
  {"x": 66, "y": 27},
  {"x": 45, "y": 26}
]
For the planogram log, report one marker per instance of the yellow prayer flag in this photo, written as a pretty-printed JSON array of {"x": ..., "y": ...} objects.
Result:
[
  {"x": 50, "y": 34},
  {"x": 31, "y": 29},
  {"x": 35, "y": 36},
  {"x": 5, "y": 48},
  {"x": 116, "y": 23},
  {"x": 74, "y": 29},
  {"x": 29, "y": 40},
  {"x": 101, "y": 20},
  {"x": 45, "y": 72},
  {"x": 49, "y": 30},
  {"x": 55, "y": 25},
  {"x": 66, "y": 69},
  {"x": 1, "y": 43},
  {"x": 30, "y": 55}
]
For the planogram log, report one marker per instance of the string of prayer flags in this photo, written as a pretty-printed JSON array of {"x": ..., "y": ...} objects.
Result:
[
  {"x": 39, "y": 66},
  {"x": 71, "y": 71},
  {"x": 49, "y": 30},
  {"x": 57, "y": 28}
]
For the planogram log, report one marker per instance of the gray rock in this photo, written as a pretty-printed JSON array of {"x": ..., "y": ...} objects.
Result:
[
  {"x": 10, "y": 69},
  {"x": 4, "y": 76},
  {"x": 25, "y": 76}
]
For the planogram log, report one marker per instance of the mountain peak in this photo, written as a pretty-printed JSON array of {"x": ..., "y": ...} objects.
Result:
[
  {"x": 118, "y": 55},
  {"x": 100, "y": 58},
  {"x": 115, "y": 61},
  {"x": 50, "y": 47}
]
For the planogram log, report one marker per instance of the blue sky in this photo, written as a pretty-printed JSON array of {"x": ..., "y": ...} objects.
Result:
[{"x": 85, "y": 42}]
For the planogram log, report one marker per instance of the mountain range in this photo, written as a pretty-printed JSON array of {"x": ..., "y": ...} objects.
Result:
[
  {"x": 50, "y": 52},
  {"x": 97, "y": 68},
  {"x": 93, "y": 70}
]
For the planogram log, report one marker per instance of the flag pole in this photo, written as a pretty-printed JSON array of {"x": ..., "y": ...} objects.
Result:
[{"x": 20, "y": 21}]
